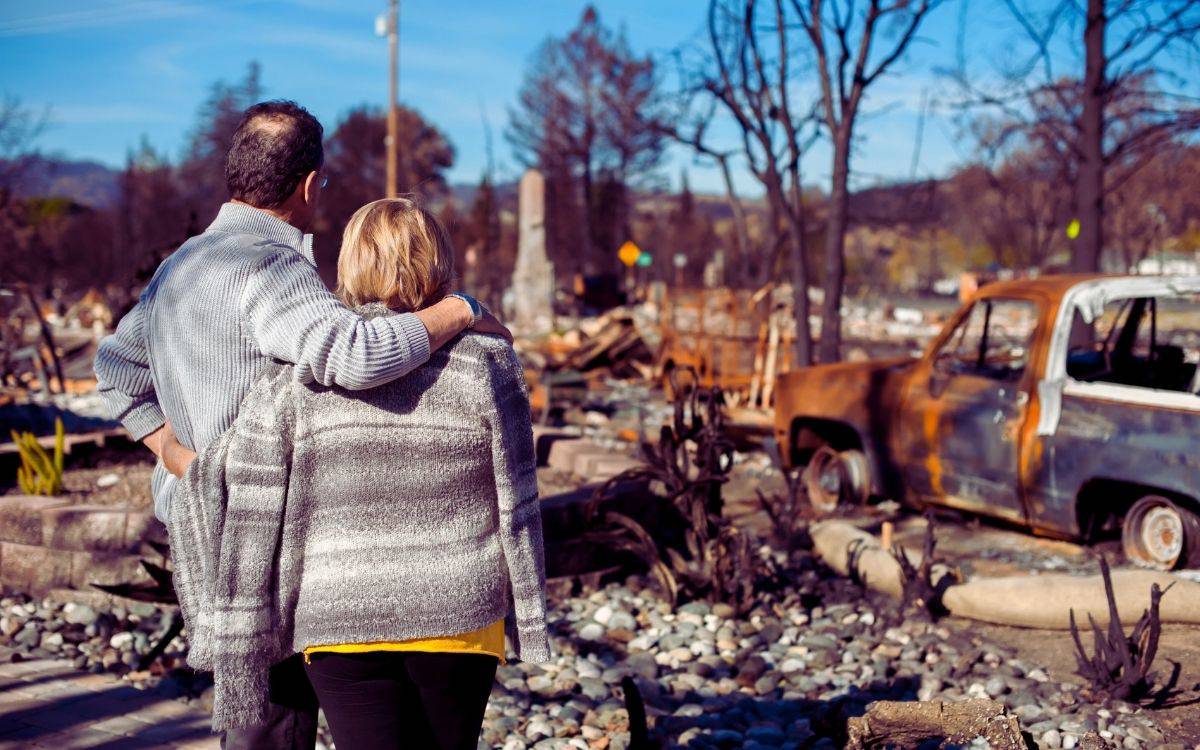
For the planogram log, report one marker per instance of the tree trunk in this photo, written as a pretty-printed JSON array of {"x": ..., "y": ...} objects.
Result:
[
  {"x": 1089, "y": 191},
  {"x": 800, "y": 311},
  {"x": 798, "y": 258},
  {"x": 835, "y": 246},
  {"x": 741, "y": 234},
  {"x": 590, "y": 265}
]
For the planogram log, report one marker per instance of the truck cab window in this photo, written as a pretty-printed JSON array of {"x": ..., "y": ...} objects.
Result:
[
  {"x": 1144, "y": 342},
  {"x": 992, "y": 341}
]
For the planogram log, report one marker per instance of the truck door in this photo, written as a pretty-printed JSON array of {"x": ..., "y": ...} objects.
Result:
[{"x": 964, "y": 410}]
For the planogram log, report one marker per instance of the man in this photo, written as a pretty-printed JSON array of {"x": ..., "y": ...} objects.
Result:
[{"x": 230, "y": 301}]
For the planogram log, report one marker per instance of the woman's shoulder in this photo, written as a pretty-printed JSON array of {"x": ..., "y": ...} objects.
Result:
[
  {"x": 480, "y": 346},
  {"x": 489, "y": 359}
]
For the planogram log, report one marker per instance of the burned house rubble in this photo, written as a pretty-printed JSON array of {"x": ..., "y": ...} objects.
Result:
[{"x": 909, "y": 548}]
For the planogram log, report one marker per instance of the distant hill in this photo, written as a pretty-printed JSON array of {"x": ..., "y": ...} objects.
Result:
[
  {"x": 87, "y": 182},
  {"x": 93, "y": 184},
  {"x": 714, "y": 206}
]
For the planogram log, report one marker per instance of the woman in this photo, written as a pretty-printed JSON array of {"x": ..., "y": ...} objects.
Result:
[{"x": 390, "y": 535}]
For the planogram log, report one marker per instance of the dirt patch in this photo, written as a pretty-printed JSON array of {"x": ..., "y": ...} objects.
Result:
[{"x": 1179, "y": 718}]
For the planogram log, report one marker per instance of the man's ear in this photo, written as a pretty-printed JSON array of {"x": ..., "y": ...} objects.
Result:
[{"x": 310, "y": 187}]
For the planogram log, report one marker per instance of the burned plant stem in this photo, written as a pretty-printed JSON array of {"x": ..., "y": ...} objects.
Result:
[
  {"x": 921, "y": 592},
  {"x": 1119, "y": 667},
  {"x": 688, "y": 466}
]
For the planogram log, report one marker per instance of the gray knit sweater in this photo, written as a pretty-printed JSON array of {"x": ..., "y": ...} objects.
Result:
[
  {"x": 215, "y": 316},
  {"x": 326, "y": 516}
]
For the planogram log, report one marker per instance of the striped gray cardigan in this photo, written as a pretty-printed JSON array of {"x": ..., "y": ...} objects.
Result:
[{"x": 326, "y": 516}]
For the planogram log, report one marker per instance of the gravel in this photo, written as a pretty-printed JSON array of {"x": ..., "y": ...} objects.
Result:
[{"x": 814, "y": 652}]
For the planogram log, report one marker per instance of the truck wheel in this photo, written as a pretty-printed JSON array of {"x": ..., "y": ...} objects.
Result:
[
  {"x": 1159, "y": 534},
  {"x": 834, "y": 478}
]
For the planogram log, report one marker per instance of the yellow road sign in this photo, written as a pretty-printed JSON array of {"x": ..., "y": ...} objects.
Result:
[{"x": 629, "y": 254}]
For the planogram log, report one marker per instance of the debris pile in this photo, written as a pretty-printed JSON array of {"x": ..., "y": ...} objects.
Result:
[
  {"x": 621, "y": 342},
  {"x": 48, "y": 347},
  {"x": 737, "y": 340}
]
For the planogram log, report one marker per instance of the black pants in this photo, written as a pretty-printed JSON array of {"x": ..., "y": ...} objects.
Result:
[
  {"x": 391, "y": 699},
  {"x": 291, "y": 716}
]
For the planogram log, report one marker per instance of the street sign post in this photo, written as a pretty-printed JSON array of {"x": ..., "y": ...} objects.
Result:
[{"x": 629, "y": 254}]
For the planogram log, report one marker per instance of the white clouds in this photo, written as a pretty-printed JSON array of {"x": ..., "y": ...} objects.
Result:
[
  {"x": 72, "y": 17},
  {"x": 164, "y": 60}
]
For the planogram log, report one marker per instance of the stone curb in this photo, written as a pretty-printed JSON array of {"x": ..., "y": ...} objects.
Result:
[{"x": 48, "y": 542}]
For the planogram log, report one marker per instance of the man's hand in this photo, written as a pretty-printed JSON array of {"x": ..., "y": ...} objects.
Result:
[
  {"x": 153, "y": 441},
  {"x": 175, "y": 455},
  {"x": 491, "y": 325},
  {"x": 451, "y": 316}
]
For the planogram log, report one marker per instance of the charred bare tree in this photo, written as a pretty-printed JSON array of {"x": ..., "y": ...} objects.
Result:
[
  {"x": 494, "y": 259},
  {"x": 353, "y": 165},
  {"x": 689, "y": 126},
  {"x": 202, "y": 173},
  {"x": 1119, "y": 667},
  {"x": 747, "y": 72},
  {"x": 1106, "y": 119},
  {"x": 846, "y": 67},
  {"x": 20, "y": 127},
  {"x": 19, "y": 130},
  {"x": 150, "y": 221},
  {"x": 1105, "y": 69},
  {"x": 748, "y": 69},
  {"x": 586, "y": 115}
]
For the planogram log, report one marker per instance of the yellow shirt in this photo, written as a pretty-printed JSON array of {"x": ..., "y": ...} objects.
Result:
[{"x": 487, "y": 640}]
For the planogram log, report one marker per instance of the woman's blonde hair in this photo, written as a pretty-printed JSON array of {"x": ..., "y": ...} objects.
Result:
[{"x": 397, "y": 253}]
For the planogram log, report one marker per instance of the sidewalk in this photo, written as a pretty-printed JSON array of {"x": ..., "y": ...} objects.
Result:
[{"x": 49, "y": 704}]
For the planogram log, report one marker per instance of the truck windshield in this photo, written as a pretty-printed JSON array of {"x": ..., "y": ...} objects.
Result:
[{"x": 991, "y": 341}]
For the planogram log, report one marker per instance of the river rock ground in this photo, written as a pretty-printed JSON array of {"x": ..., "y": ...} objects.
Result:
[
  {"x": 815, "y": 651},
  {"x": 786, "y": 675}
]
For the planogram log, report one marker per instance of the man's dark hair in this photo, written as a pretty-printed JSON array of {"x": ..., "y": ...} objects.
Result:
[{"x": 276, "y": 145}]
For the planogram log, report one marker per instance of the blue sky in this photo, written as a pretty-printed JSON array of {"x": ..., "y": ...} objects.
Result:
[{"x": 111, "y": 71}]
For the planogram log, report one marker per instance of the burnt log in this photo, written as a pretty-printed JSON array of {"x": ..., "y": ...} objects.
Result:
[{"x": 904, "y": 725}]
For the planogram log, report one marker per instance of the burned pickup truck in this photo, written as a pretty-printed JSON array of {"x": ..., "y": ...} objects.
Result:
[{"x": 1068, "y": 405}]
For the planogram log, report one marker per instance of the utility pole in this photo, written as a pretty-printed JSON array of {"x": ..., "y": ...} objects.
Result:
[{"x": 393, "y": 136}]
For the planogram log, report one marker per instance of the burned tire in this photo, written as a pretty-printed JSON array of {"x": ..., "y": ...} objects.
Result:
[
  {"x": 834, "y": 478},
  {"x": 1159, "y": 534}
]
